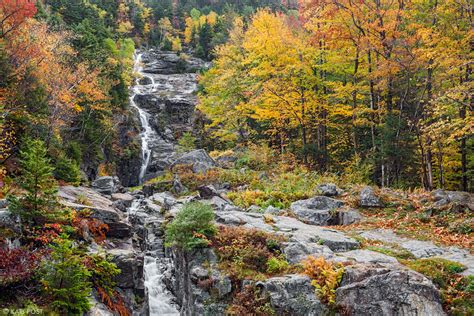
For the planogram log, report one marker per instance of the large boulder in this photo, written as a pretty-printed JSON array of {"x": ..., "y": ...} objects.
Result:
[
  {"x": 101, "y": 208},
  {"x": 375, "y": 290},
  {"x": 318, "y": 210},
  {"x": 459, "y": 200},
  {"x": 293, "y": 295},
  {"x": 328, "y": 189},
  {"x": 106, "y": 185},
  {"x": 199, "y": 159},
  {"x": 367, "y": 198}
]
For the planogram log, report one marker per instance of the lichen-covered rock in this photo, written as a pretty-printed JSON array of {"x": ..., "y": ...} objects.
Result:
[
  {"x": 366, "y": 256},
  {"x": 367, "y": 198},
  {"x": 459, "y": 200},
  {"x": 317, "y": 210},
  {"x": 106, "y": 185},
  {"x": 291, "y": 227},
  {"x": 122, "y": 201},
  {"x": 296, "y": 251},
  {"x": 328, "y": 189},
  {"x": 347, "y": 217},
  {"x": 199, "y": 159},
  {"x": 372, "y": 290},
  {"x": 293, "y": 295},
  {"x": 101, "y": 207}
]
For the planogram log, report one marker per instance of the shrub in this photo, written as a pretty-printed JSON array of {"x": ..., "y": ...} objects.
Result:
[
  {"x": 65, "y": 279},
  {"x": 244, "y": 253},
  {"x": 38, "y": 202},
  {"x": 85, "y": 225},
  {"x": 17, "y": 265},
  {"x": 250, "y": 301},
  {"x": 325, "y": 277},
  {"x": 192, "y": 227}
]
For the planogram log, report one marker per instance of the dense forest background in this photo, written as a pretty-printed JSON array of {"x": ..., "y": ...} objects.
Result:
[{"x": 381, "y": 90}]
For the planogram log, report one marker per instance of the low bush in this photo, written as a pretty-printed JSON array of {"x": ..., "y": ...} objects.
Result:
[
  {"x": 244, "y": 253},
  {"x": 186, "y": 142},
  {"x": 18, "y": 265},
  {"x": 250, "y": 301},
  {"x": 277, "y": 265},
  {"x": 192, "y": 228},
  {"x": 326, "y": 277}
]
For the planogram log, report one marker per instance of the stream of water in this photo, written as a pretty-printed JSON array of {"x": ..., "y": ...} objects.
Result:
[
  {"x": 160, "y": 300},
  {"x": 147, "y": 131}
]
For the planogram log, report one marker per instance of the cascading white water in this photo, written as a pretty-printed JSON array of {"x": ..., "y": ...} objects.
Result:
[
  {"x": 160, "y": 300},
  {"x": 147, "y": 131}
]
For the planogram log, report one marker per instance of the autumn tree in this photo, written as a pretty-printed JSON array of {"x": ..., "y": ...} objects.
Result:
[{"x": 13, "y": 13}]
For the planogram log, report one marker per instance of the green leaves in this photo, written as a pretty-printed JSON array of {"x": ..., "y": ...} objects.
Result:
[
  {"x": 38, "y": 201},
  {"x": 192, "y": 227}
]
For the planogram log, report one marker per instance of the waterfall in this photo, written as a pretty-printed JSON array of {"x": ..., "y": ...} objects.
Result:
[
  {"x": 159, "y": 298},
  {"x": 147, "y": 131}
]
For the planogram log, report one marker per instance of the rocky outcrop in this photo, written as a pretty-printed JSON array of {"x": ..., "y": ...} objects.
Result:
[
  {"x": 459, "y": 201},
  {"x": 199, "y": 159},
  {"x": 368, "y": 198},
  {"x": 106, "y": 185},
  {"x": 101, "y": 207},
  {"x": 423, "y": 249},
  {"x": 293, "y": 295},
  {"x": 373, "y": 290},
  {"x": 163, "y": 62},
  {"x": 324, "y": 211},
  {"x": 328, "y": 189}
]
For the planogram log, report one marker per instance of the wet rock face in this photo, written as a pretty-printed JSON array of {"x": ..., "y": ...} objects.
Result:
[
  {"x": 129, "y": 157},
  {"x": 160, "y": 62},
  {"x": 167, "y": 95},
  {"x": 372, "y": 290}
]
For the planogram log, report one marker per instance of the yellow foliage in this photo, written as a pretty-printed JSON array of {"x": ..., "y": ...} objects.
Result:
[{"x": 325, "y": 276}]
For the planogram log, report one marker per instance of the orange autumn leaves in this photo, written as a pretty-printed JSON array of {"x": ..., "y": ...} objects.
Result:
[{"x": 46, "y": 55}]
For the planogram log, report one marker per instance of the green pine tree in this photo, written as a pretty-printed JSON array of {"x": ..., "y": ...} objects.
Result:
[
  {"x": 66, "y": 280},
  {"x": 37, "y": 202}
]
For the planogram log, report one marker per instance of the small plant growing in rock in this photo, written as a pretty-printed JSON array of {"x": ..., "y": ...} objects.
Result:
[
  {"x": 277, "y": 265},
  {"x": 192, "y": 228},
  {"x": 325, "y": 277}
]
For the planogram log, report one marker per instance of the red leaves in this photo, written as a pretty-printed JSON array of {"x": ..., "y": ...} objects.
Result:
[
  {"x": 17, "y": 265},
  {"x": 114, "y": 303},
  {"x": 13, "y": 13},
  {"x": 85, "y": 225}
]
